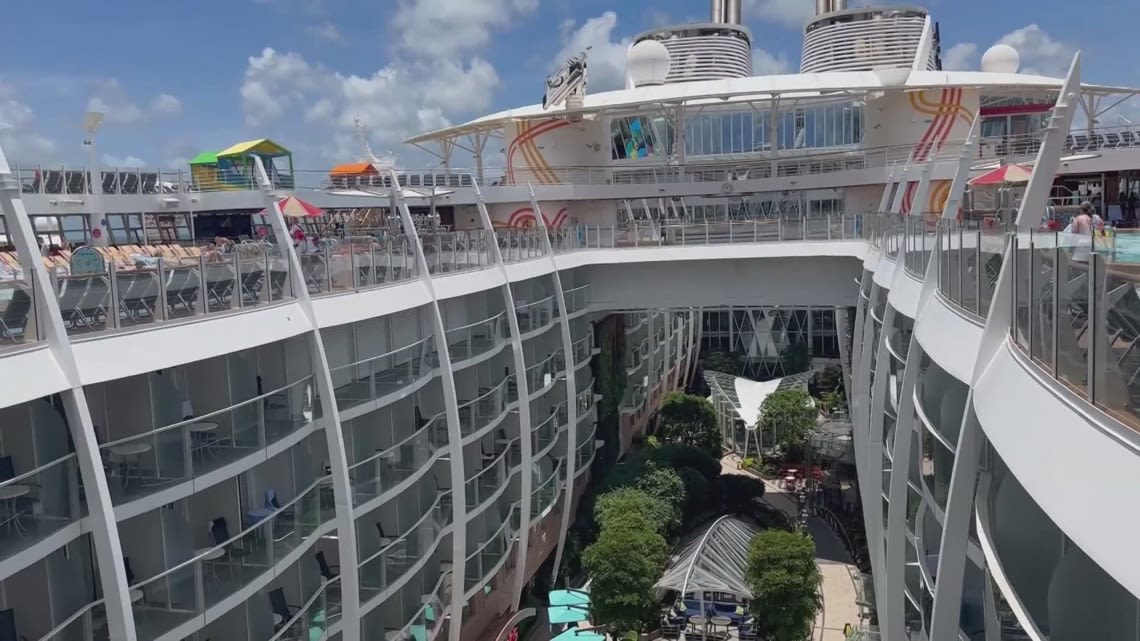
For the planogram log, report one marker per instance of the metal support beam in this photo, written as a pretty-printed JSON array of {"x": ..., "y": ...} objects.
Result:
[{"x": 1036, "y": 199}]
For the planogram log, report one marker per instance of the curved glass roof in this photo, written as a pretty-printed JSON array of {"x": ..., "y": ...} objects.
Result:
[{"x": 714, "y": 558}]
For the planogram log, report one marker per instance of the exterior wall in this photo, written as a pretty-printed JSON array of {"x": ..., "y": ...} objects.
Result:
[{"x": 548, "y": 152}]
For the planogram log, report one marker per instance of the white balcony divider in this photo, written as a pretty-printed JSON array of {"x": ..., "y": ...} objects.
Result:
[
  {"x": 519, "y": 356},
  {"x": 450, "y": 399},
  {"x": 571, "y": 383},
  {"x": 334, "y": 436},
  {"x": 104, "y": 532}
]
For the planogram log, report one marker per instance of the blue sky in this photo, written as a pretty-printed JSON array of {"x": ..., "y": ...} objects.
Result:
[{"x": 176, "y": 78}]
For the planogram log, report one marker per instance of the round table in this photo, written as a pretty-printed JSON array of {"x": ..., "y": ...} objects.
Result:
[
  {"x": 720, "y": 622},
  {"x": 698, "y": 620},
  {"x": 200, "y": 433},
  {"x": 8, "y": 496},
  {"x": 136, "y": 595},
  {"x": 209, "y": 554},
  {"x": 129, "y": 451}
]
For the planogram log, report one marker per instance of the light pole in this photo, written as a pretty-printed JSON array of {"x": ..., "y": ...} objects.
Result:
[{"x": 92, "y": 120}]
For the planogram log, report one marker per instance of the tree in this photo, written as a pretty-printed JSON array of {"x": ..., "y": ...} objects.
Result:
[
  {"x": 795, "y": 358},
  {"x": 623, "y": 564},
  {"x": 723, "y": 362},
  {"x": 789, "y": 415},
  {"x": 678, "y": 456},
  {"x": 666, "y": 487},
  {"x": 784, "y": 580},
  {"x": 696, "y": 491},
  {"x": 630, "y": 507},
  {"x": 687, "y": 419},
  {"x": 738, "y": 492}
]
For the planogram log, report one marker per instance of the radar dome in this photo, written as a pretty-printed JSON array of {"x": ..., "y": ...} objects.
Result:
[
  {"x": 1001, "y": 58},
  {"x": 647, "y": 63}
]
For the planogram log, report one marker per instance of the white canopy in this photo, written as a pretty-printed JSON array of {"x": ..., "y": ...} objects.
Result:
[
  {"x": 746, "y": 395},
  {"x": 713, "y": 559}
]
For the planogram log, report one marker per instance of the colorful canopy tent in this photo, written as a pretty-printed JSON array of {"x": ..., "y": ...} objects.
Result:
[
  {"x": 1004, "y": 175},
  {"x": 355, "y": 174},
  {"x": 232, "y": 168}
]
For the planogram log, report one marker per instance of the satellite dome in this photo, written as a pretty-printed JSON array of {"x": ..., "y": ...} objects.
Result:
[
  {"x": 647, "y": 63},
  {"x": 1001, "y": 58}
]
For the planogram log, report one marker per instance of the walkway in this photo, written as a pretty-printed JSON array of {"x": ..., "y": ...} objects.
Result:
[{"x": 835, "y": 565}]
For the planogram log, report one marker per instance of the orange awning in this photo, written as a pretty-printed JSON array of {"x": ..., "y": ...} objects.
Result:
[{"x": 353, "y": 169}]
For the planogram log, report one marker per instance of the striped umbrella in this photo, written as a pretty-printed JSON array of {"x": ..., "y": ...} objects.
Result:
[
  {"x": 293, "y": 207},
  {"x": 1005, "y": 175}
]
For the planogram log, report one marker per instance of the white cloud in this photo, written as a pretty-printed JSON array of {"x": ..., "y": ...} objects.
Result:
[
  {"x": 112, "y": 101},
  {"x": 395, "y": 101},
  {"x": 18, "y": 136},
  {"x": 445, "y": 28},
  {"x": 326, "y": 31},
  {"x": 765, "y": 63},
  {"x": 165, "y": 103},
  {"x": 961, "y": 57},
  {"x": 123, "y": 162},
  {"x": 1040, "y": 52},
  {"x": 790, "y": 13},
  {"x": 606, "y": 59}
]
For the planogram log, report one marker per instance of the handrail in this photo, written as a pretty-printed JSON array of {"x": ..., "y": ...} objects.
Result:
[
  {"x": 384, "y": 355},
  {"x": 494, "y": 535},
  {"x": 249, "y": 530},
  {"x": 199, "y": 419},
  {"x": 81, "y": 612},
  {"x": 15, "y": 480},
  {"x": 407, "y": 627},
  {"x": 321, "y": 592},
  {"x": 420, "y": 521},
  {"x": 489, "y": 392},
  {"x": 475, "y": 323},
  {"x": 493, "y": 465},
  {"x": 392, "y": 448}
]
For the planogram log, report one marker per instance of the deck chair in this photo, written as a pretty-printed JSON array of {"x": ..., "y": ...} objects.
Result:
[
  {"x": 281, "y": 608},
  {"x": 15, "y": 317}
]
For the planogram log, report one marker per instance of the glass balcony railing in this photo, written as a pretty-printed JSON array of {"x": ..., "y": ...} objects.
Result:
[
  {"x": 385, "y": 469},
  {"x": 970, "y": 260},
  {"x": 215, "y": 573},
  {"x": 83, "y": 624},
  {"x": 376, "y": 376},
  {"x": 521, "y": 244},
  {"x": 634, "y": 397},
  {"x": 586, "y": 451},
  {"x": 919, "y": 237},
  {"x": 584, "y": 349},
  {"x": 145, "y": 463},
  {"x": 486, "y": 560},
  {"x": 577, "y": 299},
  {"x": 544, "y": 373},
  {"x": 358, "y": 263},
  {"x": 1077, "y": 316},
  {"x": 545, "y": 434},
  {"x": 498, "y": 466},
  {"x": 428, "y": 619},
  {"x": 401, "y": 552},
  {"x": 476, "y": 338},
  {"x": 18, "y": 320},
  {"x": 535, "y": 315},
  {"x": 585, "y": 400},
  {"x": 38, "y": 503},
  {"x": 458, "y": 251},
  {"x": 485, "y": 408},
  {"x": 544, "y": 496},
  {"x": 135, "y": 289},
  {"x": 313, "y": 619}
]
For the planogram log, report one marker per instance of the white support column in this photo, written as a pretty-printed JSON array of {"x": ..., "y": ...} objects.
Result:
[
  {"x": 526, "y": 426},
  {"x": 454, "y": 433},
  {"x": 892, "y": 613},
  {"x": 101, "y": 513},
  {"x": 651, "y": 357},
  {"x": 900, "y": 193},
  {"x": 922, "y": 192},
  {"x": 1033, "y": 203},
  {"x": 962, "y": 175},
  {"x": 696, "y": 332},
  {"x": 888, "y": 189},
  {"x": 571, "y": 384},
  {"x": 334, "y": 436},
  {"x": 873, "y": 455},
  {"x": 956, "y": 529},
  {"x": 870, "y": 482}
]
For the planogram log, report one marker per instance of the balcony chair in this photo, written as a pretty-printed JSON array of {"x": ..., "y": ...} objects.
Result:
[
  {"x": 8, "y": 626},
  {"x": 220, "y": 534},
  {"x": 282, "y": 611},
  {"x": 15, "y": 317}
]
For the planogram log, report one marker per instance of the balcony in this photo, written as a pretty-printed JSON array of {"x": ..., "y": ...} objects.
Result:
[
  {"x": 142, "y": 464},
  {"x": 403, "y": 549},
  {"x": 388, "y": 468},
  {"x": 545, "y": 434},
  {"x": 536, "y": 315},
  {"x": 214, "y": 573},
  {"x": 18, "y": 319},
  {"x": 373, "y": 378},
  {"x": 544, "y": 495},
  {"x": 485, "y": 409},
  {"x": 518, "y": 245},
  {"x": 491, "y": 480},
  {"x": 490, "y": 555},
  {"x": 418, "y": 611},
  {"x": 577, "y": 300},
  {"x": 541, "y": 376},
  {"x": 40, "y": 488},
  {"x": 472, "y": 340}
]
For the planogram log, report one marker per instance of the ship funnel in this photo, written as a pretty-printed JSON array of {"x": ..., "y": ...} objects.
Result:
[
  {"x": 827, "y": 6},
  {"x": 725, "y": 11}
]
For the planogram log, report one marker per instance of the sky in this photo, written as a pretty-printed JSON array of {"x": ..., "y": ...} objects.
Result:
[{"x": 177, "y": 78}]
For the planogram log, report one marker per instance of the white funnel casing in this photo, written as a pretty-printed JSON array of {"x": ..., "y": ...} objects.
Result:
[
  {"x": 724, "y": 11},
  {"x": 827, "y": 6}
]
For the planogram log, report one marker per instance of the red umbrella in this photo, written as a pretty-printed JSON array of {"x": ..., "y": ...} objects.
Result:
[
  {"x": 293, "y": 207},
  {"x": 1005, "y": 175}
]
